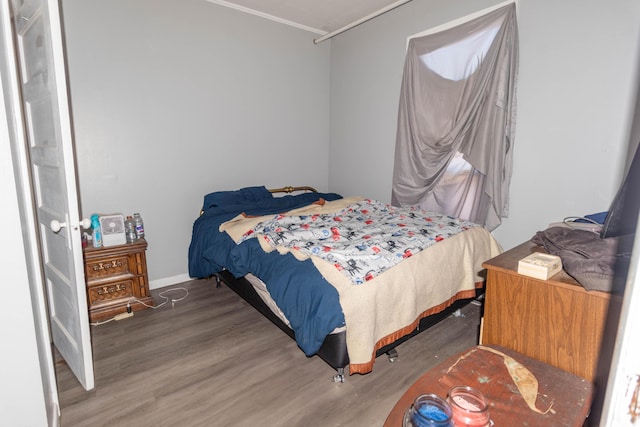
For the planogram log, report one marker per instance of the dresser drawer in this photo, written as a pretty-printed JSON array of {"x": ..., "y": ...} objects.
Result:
[
  {"x": 108, "y": 267},
  {"x": 108, "y": 293}
]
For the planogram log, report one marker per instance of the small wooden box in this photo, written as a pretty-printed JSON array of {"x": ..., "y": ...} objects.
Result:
[
  {"x": 116, "y": 276},
  {"x": 540, "y": 265}
]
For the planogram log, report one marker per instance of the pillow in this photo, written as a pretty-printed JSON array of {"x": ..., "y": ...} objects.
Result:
[
  {"x": 237, "y": 197},
  {"x": 287, "y": 203}
]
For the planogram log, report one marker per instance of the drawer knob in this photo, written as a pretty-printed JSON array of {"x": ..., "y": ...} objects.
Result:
[{"x": 111, "y": 289}]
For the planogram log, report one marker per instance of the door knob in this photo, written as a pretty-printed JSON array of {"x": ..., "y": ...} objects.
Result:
[{"x": 57, "y": 225}]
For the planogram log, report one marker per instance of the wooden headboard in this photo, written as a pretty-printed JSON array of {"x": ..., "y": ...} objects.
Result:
[{"x": 290, "y": 189}]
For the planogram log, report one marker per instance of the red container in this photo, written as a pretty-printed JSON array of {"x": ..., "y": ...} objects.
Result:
[{"x": 469, "y": 407}]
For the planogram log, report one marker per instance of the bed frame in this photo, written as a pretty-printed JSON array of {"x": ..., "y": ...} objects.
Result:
[{"x": 334, "y": 348}]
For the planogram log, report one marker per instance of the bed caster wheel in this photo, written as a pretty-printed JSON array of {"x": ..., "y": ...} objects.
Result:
[
  {"x": 392, "y": 355},
  {"x": 458, "y": 313},
  {"x": 339, "y": 377},
  {"x": 218, "y": 282}
]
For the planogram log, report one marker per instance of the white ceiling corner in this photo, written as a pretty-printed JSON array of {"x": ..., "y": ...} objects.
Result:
[{"x": 317, "y": 16}]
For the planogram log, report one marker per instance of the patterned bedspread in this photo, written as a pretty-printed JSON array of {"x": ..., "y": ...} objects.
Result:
[
  {"x": 390, "y": 304},
  {"x": 362, "y": 240}
]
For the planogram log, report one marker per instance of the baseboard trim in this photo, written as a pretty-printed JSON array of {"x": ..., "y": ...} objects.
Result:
[{"x": 168, "y": 281}]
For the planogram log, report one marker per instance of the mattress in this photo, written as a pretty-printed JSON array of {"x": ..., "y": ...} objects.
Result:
[
  {"x": 424, "y": 283},
  {"x": 252, "y": 234},
  {"x": 261, "y": 289}
]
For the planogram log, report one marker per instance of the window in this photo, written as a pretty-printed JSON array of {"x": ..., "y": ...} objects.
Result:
[{"x": 456, "y": 119}]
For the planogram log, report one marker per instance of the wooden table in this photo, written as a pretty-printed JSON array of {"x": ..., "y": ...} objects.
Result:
[
  {"x": 556, "y": 321},
  {"x": 563, "y": 399}
]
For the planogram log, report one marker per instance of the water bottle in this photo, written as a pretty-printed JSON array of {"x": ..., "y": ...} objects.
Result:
[
  {"x": 97, "y": 232},
  {"x": 139, "y": 225},
  {"x": 130, "y": 229}
]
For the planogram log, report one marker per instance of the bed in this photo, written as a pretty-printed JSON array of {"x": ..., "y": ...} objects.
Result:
[{"x": 348, "y": 278}]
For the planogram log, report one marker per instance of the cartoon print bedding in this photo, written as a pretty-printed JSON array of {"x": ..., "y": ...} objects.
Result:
[
  {"x": 362, "y": 240},
  {"x": 431, "y": 262}
]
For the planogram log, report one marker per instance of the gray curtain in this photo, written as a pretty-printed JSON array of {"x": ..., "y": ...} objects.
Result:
[{"x": 459, "y": 103}]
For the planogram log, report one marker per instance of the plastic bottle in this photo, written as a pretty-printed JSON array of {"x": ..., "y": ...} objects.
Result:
[
  {"x": 139, "y": 225},
  {"x": 130, "y": 229},
  {"x": 97, "y": 232}
]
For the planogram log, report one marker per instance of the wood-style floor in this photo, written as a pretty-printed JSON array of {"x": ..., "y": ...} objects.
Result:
[{"x": 212, "y": 360}]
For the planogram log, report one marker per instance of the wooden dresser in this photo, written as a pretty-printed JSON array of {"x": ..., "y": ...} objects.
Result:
[
  {"x": 115, "y": 276},
  {"x": 555, "y": 321}
]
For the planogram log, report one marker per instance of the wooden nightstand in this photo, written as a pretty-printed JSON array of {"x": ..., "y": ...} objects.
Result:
[
  {"x": 556, "y": 321},
  {"x": 116, "y": 275}
]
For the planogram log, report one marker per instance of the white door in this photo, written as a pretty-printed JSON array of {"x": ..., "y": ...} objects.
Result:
[
  {"x": 621, "y": 404},
  {"x": 42, "y": 76}
]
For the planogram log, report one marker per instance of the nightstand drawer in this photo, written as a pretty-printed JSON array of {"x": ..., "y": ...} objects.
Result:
[
  {"x": 105, "y": 268},
  {"x": 110, "y": 292}
]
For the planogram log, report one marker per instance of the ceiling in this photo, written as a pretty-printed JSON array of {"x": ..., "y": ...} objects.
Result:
[{"x": 318, "y": 16}]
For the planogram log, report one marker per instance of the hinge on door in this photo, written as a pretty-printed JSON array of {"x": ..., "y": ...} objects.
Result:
[{"x": 634, "y": 405}]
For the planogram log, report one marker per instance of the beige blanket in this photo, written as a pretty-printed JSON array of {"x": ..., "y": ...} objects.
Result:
[{"x": 390, "y": 305}]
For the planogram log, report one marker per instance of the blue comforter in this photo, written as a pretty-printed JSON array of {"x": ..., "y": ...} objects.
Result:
[{"x": 309, "y": 302}]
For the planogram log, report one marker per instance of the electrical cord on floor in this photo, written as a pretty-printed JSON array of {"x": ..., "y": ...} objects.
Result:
[
  {"x": 118, "y": 316},
  {"x": 102, "y": 322},
  {"x": 161, "y": 295},
  {"x": 166, "y": 298}
]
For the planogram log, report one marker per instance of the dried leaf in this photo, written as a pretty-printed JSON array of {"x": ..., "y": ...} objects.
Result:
[{"x": 523, "y": 378}]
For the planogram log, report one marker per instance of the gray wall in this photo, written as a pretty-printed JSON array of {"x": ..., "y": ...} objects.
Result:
[
  {"x": 577, "y": 86},
  {"x": 174, "y": 99}
]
